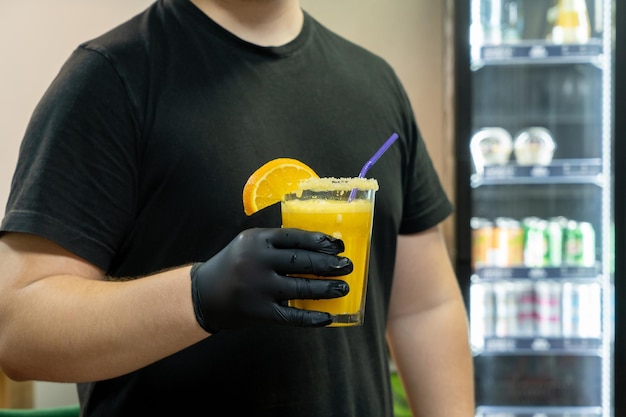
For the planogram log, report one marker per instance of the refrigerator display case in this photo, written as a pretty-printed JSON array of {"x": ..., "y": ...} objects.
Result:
[{"x": 535, "y": 185}]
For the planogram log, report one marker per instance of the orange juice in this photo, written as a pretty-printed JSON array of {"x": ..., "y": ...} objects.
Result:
[{"x": 324, "y": 205}]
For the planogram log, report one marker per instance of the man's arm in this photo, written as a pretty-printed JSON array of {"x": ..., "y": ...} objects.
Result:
[
  {"x": 61, "y": 321},
  {"x": 428, "y": 331}
]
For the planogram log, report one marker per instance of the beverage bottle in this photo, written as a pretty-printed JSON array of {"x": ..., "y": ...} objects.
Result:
[
  {"x": 512, "y": 21},
  {"x": 571, "y": 22},
  {"x": 501, "y": 21}
]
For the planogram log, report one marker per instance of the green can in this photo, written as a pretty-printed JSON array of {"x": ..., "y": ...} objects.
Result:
[
  {"x": 579, "y": 244},
  {"x": 555, "y": 240},
  {"x": 588, "y": 236},
  {"x": 572, "y": 244},
  {"x": 536, "y": 248}
]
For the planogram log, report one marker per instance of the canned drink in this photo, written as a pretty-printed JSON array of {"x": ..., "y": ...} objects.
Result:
[
  {"x": 555, "y": 240},
  {"x": 506, "y": 309},
  {"x": 482, "y": 311},
  {"x": 482, "y": 238},
  {"x": 548, "y": 308},
  {"x": 579, "y": 244},
  {"x": 489, "y": 316},
  {"x": 536, "y": 249},
  {"x": 572, "y": 244},
  {"x": 590, "y": 310},
  {"x": 588, "y": 237},
  {"x": 525, "y": 296},
  {"x": 508, "y": 242},
  {"x": 570, "y": 310}
]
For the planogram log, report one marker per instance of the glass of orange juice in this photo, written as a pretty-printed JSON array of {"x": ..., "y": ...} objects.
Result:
[{"x": 342, "y": 208}]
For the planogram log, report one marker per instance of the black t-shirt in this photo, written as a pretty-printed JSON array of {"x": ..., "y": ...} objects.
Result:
[{"x": 136, "y": 157}]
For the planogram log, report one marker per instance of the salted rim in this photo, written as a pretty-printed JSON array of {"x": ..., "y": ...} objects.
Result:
[{"x": 338, "y": 184}]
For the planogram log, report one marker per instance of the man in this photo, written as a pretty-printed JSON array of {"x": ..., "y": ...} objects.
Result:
[{"x": 130, "y": 268}]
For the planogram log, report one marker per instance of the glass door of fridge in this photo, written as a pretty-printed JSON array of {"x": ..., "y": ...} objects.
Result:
[{"x": 540, "y": 145}]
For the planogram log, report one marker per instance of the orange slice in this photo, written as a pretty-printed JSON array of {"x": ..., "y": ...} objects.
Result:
[{"x": 268, "y": 184}]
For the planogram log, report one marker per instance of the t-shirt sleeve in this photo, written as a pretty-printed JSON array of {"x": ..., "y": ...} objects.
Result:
[
  {"x": 425, "y": 201},
  {"x": 76, "y": 173}
]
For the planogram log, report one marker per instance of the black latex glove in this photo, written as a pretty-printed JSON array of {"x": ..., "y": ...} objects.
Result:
[{"x": 245, "y": 283}]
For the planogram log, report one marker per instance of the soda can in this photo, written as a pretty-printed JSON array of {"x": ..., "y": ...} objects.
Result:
[
  {"x": 506, "y": 309},
  {"x": 570, "y": 310},
  {"x": 508, "y": 242},
  {"x": 536, "y": 252},
  {"x": 525, "y": 299},
  {"x": 588, "y": 238},
  {"x": 489, "y": 315},
  {"x": 482, "y": 311},
  {"x": 548, "y": 308},
  {"x": 482, "y": 240},
  {"x": 590, "y": 310},
  {"x": 499, "y": 243},
  {"x": 572, "y": 244},
  {"x": 555, "y": 240}
]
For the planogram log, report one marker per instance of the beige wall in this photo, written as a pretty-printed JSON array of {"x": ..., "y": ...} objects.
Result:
[{"x": 36, "y": 36}]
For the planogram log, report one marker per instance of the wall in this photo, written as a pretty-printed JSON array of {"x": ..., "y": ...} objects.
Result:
[{"x": 36, "y": 36}]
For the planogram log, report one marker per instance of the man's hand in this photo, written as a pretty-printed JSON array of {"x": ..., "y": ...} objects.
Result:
[{"x": 245, "y": 284}]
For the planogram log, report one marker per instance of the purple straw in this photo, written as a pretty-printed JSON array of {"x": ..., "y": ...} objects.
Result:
[{"x": 373, "y": 160}]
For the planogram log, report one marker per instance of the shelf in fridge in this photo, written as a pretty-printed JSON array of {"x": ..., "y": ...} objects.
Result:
[
  {"x": 556, "y": 272},
  {"x": 540, "y": 344},
  {"x": 560, "y": 171},
  {"x": 537, "y": 52},
  {"x": 549, "y": 411}
]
